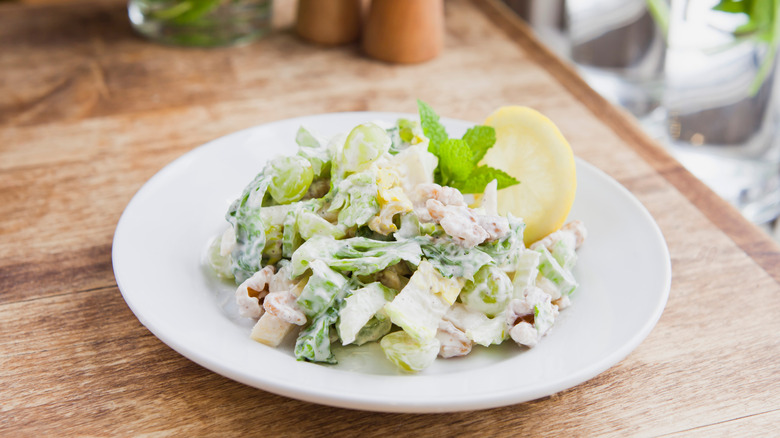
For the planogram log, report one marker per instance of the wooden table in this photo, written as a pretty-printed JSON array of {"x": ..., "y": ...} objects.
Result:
[{"x": 89, "y": 112}]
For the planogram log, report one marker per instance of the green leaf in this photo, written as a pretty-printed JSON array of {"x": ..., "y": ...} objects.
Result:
[
  {"x": 480, "y": 139},
  {"x": 306, "y": 138},
  {"x": 358, "y": 255},
  {"x": 458, "y": 158},
  {"x": 454, "y": 161},
  {"x": 197, "y": 11},
  {"x": 325, "y": 286},
  {"x": 313, "y": 343},
  {"x": 244, "y": 215},
  {"x": 481, "y": 176},
  {"x": 356, "y": 199},
  {"x": 732, "y": 6},
  {"x": 431, "y": 126},
  {"x": 451, "y": 259}
]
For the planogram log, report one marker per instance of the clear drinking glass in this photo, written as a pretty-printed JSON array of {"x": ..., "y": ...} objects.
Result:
[
  {"x": 201, "y": 23},
  {"x": 620, "y": 50},
  {"x": 720, "y": 100}
]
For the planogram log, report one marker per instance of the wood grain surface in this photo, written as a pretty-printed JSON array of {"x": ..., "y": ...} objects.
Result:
[{"x": 89, "y": 112}]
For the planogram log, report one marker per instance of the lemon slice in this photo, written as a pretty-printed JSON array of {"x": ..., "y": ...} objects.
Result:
[{"x": 531, "y": 148}]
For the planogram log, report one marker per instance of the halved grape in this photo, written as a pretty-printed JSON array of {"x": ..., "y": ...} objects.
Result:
[
  {"x": 363, "y": 146},
  {"x": 408, "y": 353}
]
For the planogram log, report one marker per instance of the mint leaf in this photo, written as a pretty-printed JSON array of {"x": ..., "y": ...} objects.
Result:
[
  {"x": 454, "y": 161},
  {"x": 480, "y": 139},
  {"x": 481, "y": 176},
  {"x": 432, "y": 129},
  {"x": 458, "y": 158}
]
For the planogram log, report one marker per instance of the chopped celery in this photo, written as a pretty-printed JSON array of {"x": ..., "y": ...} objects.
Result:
[
  {"x": 451, "y": 259},
  {"x": 406, "y": 133},
  {"x": 419, "y": 306},
  {"x": 359, "y": 308},
  {"x": 563, "y": 250},
  {"x": 544, "y": 312},
  {"x": 358, "y": 255},
  {"x": 489, "y": 292},
  {"x": 505, "y": 251},
  {"x": 552, "y": 270},
  {"x": 526, "y": 270},
  {"x": 478, "y": 327},
  {"x": 310, "y": 225}
]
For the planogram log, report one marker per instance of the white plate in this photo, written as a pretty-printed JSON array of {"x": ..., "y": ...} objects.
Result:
[{"x": 624, "y": 273}]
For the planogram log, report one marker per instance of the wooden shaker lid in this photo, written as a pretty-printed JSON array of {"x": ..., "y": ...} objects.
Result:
[
  {"x": 328, "y": 22},
  {"x": 404, "y": 31}
]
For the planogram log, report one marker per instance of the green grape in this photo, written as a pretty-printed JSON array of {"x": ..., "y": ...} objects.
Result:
[
  {"x": 408, "y": 353},
  {"x": 290, "y": 180},
  {"x": 364, "y": 145},
  {"x": 489, "y": 292},
  {"x": 219, "y": 263}
]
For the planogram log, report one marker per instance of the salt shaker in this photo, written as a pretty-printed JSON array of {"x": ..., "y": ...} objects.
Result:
[
  {"x": 329, "y": 22},
  {"x": 404, "y": 31}
]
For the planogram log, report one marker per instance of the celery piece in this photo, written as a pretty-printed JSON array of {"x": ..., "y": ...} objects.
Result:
[{"x": 489, "y": 292}]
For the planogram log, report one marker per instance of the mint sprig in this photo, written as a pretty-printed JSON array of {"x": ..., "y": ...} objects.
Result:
[
  {"x": 431, "y": 126},
  {"x": 482, "y": 175},
  {"x": 454, "y": 156},
  {"x": 480, "y": 139},
  {"x": 459, "y": 158}
]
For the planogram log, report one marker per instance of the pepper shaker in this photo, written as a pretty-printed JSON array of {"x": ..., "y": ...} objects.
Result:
[
  {"x": 329, "y": 22},
  {"x": 404, "y": 31}
]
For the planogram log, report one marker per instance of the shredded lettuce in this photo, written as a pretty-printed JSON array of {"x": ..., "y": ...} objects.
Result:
[
  {"x": 451, "y": 259},
  {"x": 420, "y": 305},
  {"x": 244, "y": 216},
  {"x": 356, "y": 199},
  {"x": 358, "y": 255},
  {"x": 360, "y": 307}
]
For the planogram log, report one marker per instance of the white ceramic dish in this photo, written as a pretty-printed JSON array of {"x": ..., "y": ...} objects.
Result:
[{"x": 624, "y": 273}]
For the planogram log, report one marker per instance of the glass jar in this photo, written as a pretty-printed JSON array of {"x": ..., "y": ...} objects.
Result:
[{"x": 201, "y": 23}]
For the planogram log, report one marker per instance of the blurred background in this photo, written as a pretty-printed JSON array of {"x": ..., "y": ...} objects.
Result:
[{"x": 698, "y": 75}]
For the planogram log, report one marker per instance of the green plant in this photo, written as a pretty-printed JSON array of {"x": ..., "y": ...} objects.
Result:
[{"x": 762, "y": 26}]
